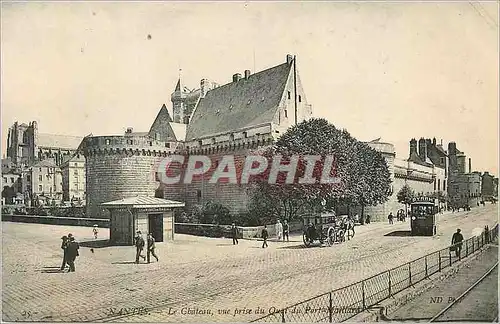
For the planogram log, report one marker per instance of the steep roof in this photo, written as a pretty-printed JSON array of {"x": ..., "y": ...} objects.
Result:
[
  {"x": 236, "y": 105},
  {"x": 441, "y": 149},
  {"x": 59, "y": 141}
]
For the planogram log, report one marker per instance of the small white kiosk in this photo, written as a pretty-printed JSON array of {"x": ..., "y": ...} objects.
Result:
[{"x": 145, "y": 214}]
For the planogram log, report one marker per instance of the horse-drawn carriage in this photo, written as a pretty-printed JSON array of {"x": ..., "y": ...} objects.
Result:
[{"x": 326, "y": 228}]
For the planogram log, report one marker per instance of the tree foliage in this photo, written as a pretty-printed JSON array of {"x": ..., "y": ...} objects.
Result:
[
  {"x": 406, "y": 195},
  {"x": 363, "y": 173}
]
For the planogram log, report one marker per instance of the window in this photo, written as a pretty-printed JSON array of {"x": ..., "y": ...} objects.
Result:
[
  {"x": 75, "y": 172},
  {"x": 439, "y": 184},
  {"x": 50, "y": 189},
  {"x": 40, "y": 188},
  {"x": 11, "y": 180},
  {"x": 157, "y": 136},
  {"x": 40, "y": 178},
  {"x": 300, "y": 98},
  {"x": 4, "y": 180},
  {"x": 286, "y": 113},
  {"x": 444, "y": 185},
  {"x": 198, "y": 195},
  {"x": 289, "y": 95},
  {"x": 167, "y": 145},
  {"x": 108, "y": 142},
  {"x": 40, "y": 169},
  {"x": 245, "y": 134}
]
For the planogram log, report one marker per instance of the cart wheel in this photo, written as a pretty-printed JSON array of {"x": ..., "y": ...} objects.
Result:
[
  {"x": 350, "y": 234},
  {"x": 331, "y": 236},
  {"x": 306, "y": 240}
]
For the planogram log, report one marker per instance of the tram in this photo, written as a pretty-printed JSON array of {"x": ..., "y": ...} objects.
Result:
[{"x": 423, "y": 214}]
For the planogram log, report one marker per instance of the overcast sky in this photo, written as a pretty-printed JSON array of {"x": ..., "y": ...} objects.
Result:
[{"x": 389, "y": 70}]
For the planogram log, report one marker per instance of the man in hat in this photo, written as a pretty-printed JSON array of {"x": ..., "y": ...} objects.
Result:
[
  {"x": 456, "y": 241},
  {"x": 64, "y": 245},
  {"x": 72, "y": 253},
  {"x": 139, "y": 246},
  {"x": 234, "y": 233},
  {"x": 151, "y": 247}
]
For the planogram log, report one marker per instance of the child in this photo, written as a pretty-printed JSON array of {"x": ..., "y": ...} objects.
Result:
[{"x": 95, "y": 230}]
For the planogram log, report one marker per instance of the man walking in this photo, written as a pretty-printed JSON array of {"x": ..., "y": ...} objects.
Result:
[
  {"x": 286, "y": 231},
  {"x": 234, "y": 233},
  {"x": 72, "y": 253},
  {"x": 391, "y": 217},
  {"x": 139, "y": 246},
  {"x": 64, "y": 246},
  {"x": 456, "y": 241},
  {"x": 265, "y": 235},
  {"x": 279, "y": 230},
  {"x": 151, "y": 247}
]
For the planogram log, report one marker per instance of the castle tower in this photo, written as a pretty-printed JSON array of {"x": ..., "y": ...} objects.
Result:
[
  {"x": 120, "y": 167},
  {"x": 178, "y": 97}
]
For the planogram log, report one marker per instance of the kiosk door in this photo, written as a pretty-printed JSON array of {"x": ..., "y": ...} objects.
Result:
[{"x": 156, "y": 226}]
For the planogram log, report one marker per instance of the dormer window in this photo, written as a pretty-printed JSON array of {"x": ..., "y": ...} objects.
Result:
[
  {"x": 245, "y": 134},
  {"x": 200, "y": 142},
  {"x": 289, "y": 95},
  {"x": 231, "y": 137},
  {"x": 108, "y": 142},
  {"x": 213, "y": 140},
  {"x": 286, "y": 113},
  {"x": 300, "y": 98}
]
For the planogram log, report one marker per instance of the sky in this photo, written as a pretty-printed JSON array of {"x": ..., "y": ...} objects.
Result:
[{"x": 382, "y": 69}]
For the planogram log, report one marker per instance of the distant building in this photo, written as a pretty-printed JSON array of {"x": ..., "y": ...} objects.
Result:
[
  {"x": 25, "y": 145},
  {"x": 42, "y": 184},
  {"x": 11, "y": 187},
  {"x": 73, "y": 178},
  {"x": 489, "y": 186}
]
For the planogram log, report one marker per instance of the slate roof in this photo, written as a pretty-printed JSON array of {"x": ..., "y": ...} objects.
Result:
[
  {"x": 179, "y": 130},
  {"x": 59, "y": 141},
  {"x": 45, "y": 163},
  {"x": 440, "y": 148},
  {"x": 143, "y": 202},
  {"x": 236, "y": 105}
]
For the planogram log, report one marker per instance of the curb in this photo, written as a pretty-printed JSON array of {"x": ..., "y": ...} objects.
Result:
[{"x": 380, "y": 311}]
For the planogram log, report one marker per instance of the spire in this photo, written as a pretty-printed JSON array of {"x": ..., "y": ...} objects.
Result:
[{"x": 179, "y": 86}]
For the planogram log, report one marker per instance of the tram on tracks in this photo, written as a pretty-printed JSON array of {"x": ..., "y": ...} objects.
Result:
[{"x": 423, "y": 212}]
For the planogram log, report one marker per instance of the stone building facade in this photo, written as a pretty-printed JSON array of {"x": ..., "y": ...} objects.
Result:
[
  {"x": 42, "y": 184},
  {"x": 418, "y": 172},
  {"x": 73, "y": 179},
  {"x": 489, "y": 186}
]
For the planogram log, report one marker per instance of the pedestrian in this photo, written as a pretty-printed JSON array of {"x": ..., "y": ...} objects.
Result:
[
  {"x": 456, "y": 242},
  {"x": 487, "y": 234},
  {"x": 234, "y": 233},
  {"x": 72, "y": 253},
  {"x": 64, "y": 245},
  {"x": 95, "y": 231},
  {"x": 279, "y": 230},
  {"x": 265, "y": 235},
  {"x": 139, "y": 246},
  {"x": 391, "y": 217},
  {"x": 368, "y": 218},
  {"x": 151, "y": 247},
  {"x": 286, "y": 231}
]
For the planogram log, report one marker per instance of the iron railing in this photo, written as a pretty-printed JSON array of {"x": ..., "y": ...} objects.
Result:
[{"x": 346, "y": 302}]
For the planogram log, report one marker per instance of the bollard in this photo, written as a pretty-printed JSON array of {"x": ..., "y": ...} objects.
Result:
[
  {"x": 363, "y": 294},
  {"x": 426, "y": 271},
  {"x": 439, "y": 261},
  {"x": 330, "y": 309}
]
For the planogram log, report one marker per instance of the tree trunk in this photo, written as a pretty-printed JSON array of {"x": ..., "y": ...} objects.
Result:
[{"x": 362, "y": 218}]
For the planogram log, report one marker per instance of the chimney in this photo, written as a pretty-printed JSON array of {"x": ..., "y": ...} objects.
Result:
[
  {"x": 129, "y": 130},
  {"x": 413, "y": 146},
  {"x": 470, "y": 166},
  {"x": 434, "y": 141},
  {"x": 441, "y": 142},
  {"x": 236, "y": 77},
  {"x": 422, "y": 149},
  {"x": 289, "y": 59},
  {"x": 247, "y": 74}
]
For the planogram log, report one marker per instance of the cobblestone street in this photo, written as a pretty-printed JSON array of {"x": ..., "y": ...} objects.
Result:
[{"x": 196, "y": 278}]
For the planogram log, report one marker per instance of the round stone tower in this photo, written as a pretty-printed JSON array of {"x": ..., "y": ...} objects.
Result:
[{"x": 120, "y": 167}]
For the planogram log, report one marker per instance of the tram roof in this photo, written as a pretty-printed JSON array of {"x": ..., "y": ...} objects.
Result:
[{"x": 422, "y": 203}]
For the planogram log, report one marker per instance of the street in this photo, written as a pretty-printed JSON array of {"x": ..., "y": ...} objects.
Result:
[{"x": 197, "y": 278}]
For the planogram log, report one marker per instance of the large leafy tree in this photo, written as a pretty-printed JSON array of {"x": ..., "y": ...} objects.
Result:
[
  {"x": 363, "y": 173},
  {"x": 406, "y": 195}
]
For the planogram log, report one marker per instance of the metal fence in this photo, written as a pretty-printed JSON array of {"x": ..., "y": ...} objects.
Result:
[{"x": 344, "y": 303}]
